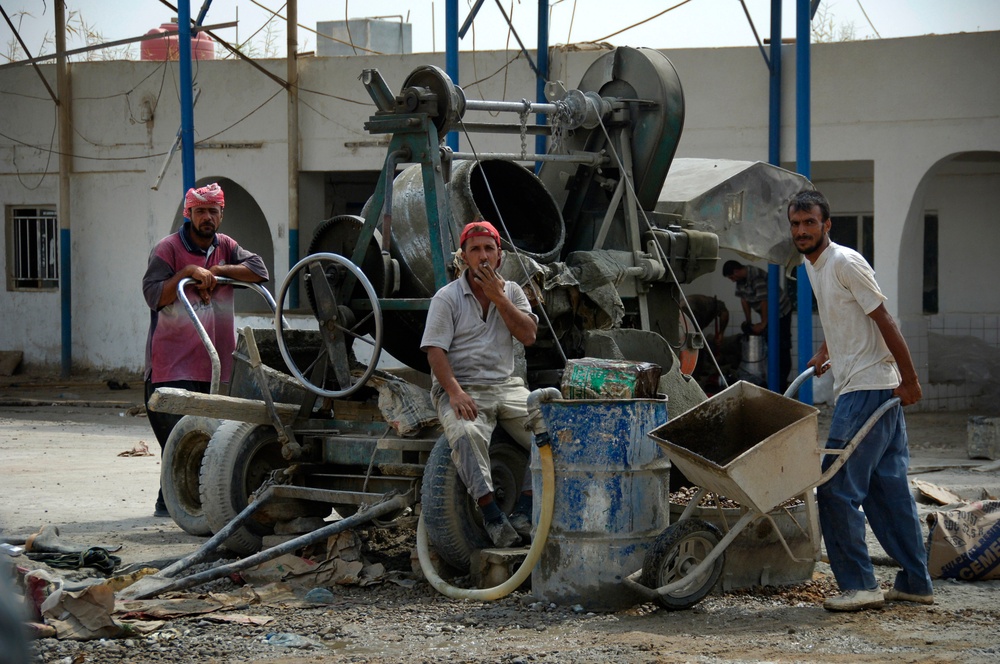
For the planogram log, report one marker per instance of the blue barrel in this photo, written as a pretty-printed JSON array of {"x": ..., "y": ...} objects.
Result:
[{"x": 611, "y": 499}]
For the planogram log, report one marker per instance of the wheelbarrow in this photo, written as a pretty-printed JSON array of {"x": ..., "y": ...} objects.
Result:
[{"x": 750, "y": 445}]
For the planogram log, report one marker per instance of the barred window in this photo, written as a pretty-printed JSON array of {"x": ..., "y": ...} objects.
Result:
[{"x": 32, "y": 248}]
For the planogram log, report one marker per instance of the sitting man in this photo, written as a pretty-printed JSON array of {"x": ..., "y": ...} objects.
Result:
[{"x": 469, "y": 340}]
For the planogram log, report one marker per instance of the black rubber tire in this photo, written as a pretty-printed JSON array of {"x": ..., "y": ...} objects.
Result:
[
  {"x": 454, "y": 523},
  {"x": 678, "y": 549},
  {"x": 239, "y": 458},
  {"x": 180, "y": 472}
]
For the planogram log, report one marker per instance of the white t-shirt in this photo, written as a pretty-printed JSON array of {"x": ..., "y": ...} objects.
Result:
[
  {"x": 481, "y": 352},
  {"x": 846, "y": 291}
]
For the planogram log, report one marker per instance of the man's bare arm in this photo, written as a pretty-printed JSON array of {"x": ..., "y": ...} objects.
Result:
[{"x": 909, "y": 391}]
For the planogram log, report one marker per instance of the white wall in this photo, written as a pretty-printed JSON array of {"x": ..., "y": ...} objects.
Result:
[{"x": 884, "y": 114}]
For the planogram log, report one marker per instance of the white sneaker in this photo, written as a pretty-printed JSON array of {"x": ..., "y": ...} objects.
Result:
[
  {"x": 855, "y": 600},
  {"x": 502, "y": 533},
  {"x": 894, "y": 595}
]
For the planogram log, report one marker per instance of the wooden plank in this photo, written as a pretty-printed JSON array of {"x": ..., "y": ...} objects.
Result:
[
  {"x": 407, "y": 444},
  {"x": 219, "y": 406}
]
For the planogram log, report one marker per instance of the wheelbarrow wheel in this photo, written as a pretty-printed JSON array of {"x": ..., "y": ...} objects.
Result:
[
  {"x": 180, "y": 472},
  {"x": 454, "y": 523},
  {"x": 673, "y": 556}
]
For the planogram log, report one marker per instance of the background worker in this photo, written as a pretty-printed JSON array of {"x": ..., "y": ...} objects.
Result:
[
  {"x": 175, "y": 355},
  {"x": 751, "y": 288},
  {"x": 469, "y": 340},
  {"x": 711, "y": 315},
  {"x": 870, "y": 363}
]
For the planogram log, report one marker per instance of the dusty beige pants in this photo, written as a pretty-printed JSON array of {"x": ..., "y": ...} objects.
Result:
[{"x": 504, "y": 404}]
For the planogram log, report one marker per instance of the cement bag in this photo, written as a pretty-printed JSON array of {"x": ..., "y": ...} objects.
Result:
[{"x": 964, "y": 543}]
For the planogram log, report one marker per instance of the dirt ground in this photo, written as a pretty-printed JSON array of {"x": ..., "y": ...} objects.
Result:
[{"x": 60, "y": 443}]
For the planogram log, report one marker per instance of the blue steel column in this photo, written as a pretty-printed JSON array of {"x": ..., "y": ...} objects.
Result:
[
  {"x": 451, "y": 55},
  {"x": 774, "y": 156},
  {"x": 802, "y": 164},
  {"x": 187, "y": 101},
  {"x": 543, "y": 72}
]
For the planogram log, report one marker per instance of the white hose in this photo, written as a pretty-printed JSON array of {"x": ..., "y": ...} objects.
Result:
[{"x": 534, "y": 553}]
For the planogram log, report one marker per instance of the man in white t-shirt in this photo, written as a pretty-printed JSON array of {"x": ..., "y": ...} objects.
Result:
[
  {"x": 469, "y": 340},
  {"x": 871, "y": 363}
]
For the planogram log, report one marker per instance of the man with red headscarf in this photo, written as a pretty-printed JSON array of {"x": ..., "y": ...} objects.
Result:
[
  {"x": 175, "y": 355},
  {"x": 469, "y": 340}
]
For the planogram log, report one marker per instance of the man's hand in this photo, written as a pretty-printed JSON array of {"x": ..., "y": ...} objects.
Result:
[
  {"x": 463, "y": 405},
  {"x": 491, "y": 282},
  {"x": 820, "y": 361},
  {"x": 909, "y": 392},
  {"x": 204, "y": 281}
]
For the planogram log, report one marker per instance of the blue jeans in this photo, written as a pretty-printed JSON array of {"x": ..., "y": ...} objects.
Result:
[{"x": 874, "y": 479}]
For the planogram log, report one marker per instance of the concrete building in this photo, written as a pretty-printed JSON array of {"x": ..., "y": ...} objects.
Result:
[{"x": 905, "y": 143}]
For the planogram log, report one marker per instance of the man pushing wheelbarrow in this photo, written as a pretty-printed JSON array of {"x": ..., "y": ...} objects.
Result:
[
  {"x": 757, "y": 448},
  {"x": 871, "y": 363}
]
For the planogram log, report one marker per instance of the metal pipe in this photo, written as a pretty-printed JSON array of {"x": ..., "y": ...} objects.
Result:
[
  {"x": 292, "y": 73},
  {"x": 590, "y": 158},
  {"x": 213, "y": 355},
  {"x": 187, "y": 101},
  {"x": 65, "y": 169},
  {"x": 542, "y": 75},
  {"x": 498, "y": 128},
  {"x": 523, "y": 106},
  {"x": 774, "y": 157},
  {"x": 364, "y": 516},
  {"x": 451, "y": 55},
  {"x": 802, "y": 165}
]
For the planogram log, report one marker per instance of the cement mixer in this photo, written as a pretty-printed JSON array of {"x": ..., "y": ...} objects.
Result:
[{"x": 315, "y": 428}]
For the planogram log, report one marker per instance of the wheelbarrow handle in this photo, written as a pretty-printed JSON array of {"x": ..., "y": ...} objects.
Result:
[
  {"x": 801, "y": 378},
  {"x": 845, "y": 453}
]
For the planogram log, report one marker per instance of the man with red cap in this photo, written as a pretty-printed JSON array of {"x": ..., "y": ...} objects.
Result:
[
  {"x": 469, "y": 340},
  {"x": 175, "y": 355}
]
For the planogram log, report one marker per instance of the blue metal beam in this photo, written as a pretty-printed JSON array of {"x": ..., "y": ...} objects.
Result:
[
  {"x": 187, "y": 97},
  {"x": 803, "y": 157},
  {"x": 774, "y": 156},
  {"x": 451, "y": 55},
  {"x": 542, "y": 75}
]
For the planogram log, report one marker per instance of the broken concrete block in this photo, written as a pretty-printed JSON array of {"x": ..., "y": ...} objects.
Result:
[
  {"x": 983, "y": 436},
  {"x": 491, "y": 567}
]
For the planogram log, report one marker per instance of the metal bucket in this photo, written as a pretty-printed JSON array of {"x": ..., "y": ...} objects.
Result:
[
  {"x": 611, "y": 499},
  {"x": 754, "y": 356}
]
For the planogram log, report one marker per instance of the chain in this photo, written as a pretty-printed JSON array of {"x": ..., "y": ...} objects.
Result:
[{"x": 524, "y": 129}]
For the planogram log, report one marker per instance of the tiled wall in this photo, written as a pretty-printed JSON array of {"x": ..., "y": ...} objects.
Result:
[{"x": 942, "y": 396}]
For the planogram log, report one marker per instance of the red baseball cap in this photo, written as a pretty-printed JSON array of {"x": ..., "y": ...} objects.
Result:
[{"x": 476, "y": 229}]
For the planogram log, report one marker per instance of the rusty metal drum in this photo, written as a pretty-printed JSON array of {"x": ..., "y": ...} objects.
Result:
[{"x": 611, "y": 499}]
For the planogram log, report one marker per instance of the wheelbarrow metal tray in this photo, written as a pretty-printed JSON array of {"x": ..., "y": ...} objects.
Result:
[{"x": 748, "y": 444}]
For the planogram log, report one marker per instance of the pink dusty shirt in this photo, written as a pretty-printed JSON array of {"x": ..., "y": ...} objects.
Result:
[{"x": 173, "y": 349}]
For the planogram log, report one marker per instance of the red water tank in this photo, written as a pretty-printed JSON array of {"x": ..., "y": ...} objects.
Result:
[{"x": 166, "y": 48}]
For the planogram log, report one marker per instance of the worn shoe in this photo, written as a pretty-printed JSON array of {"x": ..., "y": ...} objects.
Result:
[
  {"x": 160, "y": 511},
  {"x": 502, "y": 533},
  {"x": 855, "y": 600},
  {"x": 521, "y": 523},
  {"x": 893, "y": 595}
]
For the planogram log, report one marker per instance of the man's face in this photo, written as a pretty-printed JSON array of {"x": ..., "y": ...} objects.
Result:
[
  {"x": 809, "y": 231},
  {"x": 480, "y": 250},
  {"x": 205, "y": 220},
  {"x": 739, "y": 275}
]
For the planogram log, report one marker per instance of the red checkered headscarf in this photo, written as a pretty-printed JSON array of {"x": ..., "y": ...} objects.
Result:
[
  {"x": 209, "y": 194},
  {"x": 476, "y": 229}
]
